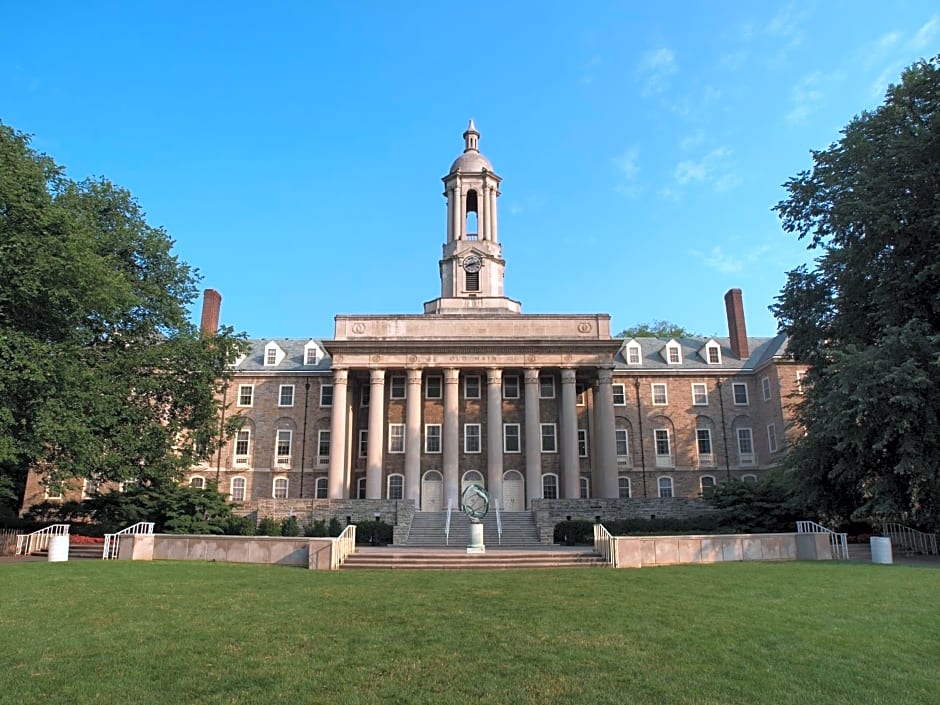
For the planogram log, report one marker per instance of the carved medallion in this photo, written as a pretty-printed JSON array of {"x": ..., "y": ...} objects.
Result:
[
  {"x": 584, "y": 327},
  {"x": 358, "y": 328}
]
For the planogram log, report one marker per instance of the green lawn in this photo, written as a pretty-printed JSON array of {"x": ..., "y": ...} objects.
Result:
[{"x": 182, "y": 633}]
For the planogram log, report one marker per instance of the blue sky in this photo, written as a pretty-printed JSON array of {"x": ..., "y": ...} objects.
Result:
[{"x": 294, "y": 150}]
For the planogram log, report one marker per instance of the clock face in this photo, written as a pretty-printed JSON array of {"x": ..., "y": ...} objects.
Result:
[{"x": 472, "y": 264}]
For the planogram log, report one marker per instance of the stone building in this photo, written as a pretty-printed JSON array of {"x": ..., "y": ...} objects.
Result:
[{"x": 472, "y": 390}]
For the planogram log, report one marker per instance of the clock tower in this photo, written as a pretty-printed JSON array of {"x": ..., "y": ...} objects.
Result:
[{"x": 472, "y": 266}]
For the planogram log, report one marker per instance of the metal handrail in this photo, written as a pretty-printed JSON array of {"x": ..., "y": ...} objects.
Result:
[
  {"x": 343, "y": 546},
  {"x": 450, "y": 506},
  {"x": 908, "y": 539},
  {"x": 39, "y": 540},
  {"x": 605, "y": 544},
  {"x": 499, "y": 523},
  {"x": 111, "y": 545},
  {"x": 837, "y": 542}
]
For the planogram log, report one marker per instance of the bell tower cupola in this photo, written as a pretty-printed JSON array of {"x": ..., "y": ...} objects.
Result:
[{"x": 472, "y": 267}]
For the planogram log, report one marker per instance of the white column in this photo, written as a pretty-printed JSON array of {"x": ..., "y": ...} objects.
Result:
[
  {"x": 494, "y": 434},
  {"x": 493, "y": 194},
  {"x": 450, "y": 214},
  {"x": 482, "y": 214},
  {"x": 570, "y": 469},
  {"x": 455, "y": 212},
  {"x": 605, "y": 455},
  {"x": 460, "y": 214},
  {"x": 533, "y": 438},
  {"x": 451, "y": 433},
  {"x": 376, "y": 444},
  {"x": 413, "y": 438},
  {"x": 337, "y": 470}
]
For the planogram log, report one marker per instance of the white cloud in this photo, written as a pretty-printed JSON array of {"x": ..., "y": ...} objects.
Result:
[
  {"x": 730, "y": 262},
  {"x": 655, "y": 68},
  {"x": 925, "y": 35},
  {"x": 626, "y": 163},
  {"x": 809, "y": 94},
  {"x": 711, "y": 166}
]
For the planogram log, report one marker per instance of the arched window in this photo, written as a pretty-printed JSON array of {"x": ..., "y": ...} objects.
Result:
[
  {"x": 472, "y": 477},
  {"x": 322, "y": 488},
  {"x": 280, "y": 488},
  {"x": 749, "y": 478},
  {"x": 396, "y": 486},
  {"x": 198, "y": 482},
  {"x": 237, "y": 489},
  {"x": 665, "y": 486},
  {"x": 585, "y": 483},
  {"x": 360, "y": 488},
  {"x": 550, "y": 486},
  {"x": 472, "y": 229},
  {"x": 623, "y": 487},
  {"x": 708, "y": 485}
]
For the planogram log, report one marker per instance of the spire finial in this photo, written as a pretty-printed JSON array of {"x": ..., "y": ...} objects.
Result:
[{"x": 471, "y": 137}]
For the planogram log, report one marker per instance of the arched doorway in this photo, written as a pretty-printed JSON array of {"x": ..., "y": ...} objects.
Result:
[
  {"x": 471, "y": 477},
  {"x": 513, "y": 492},
  {"x": 432, "y": 492}
]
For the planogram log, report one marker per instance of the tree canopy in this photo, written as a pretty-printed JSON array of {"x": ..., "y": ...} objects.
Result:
[
  {"x": 656, "y": 329},
  {"x": 866, "y": 315},
  {"x": 101, "y": 373}
]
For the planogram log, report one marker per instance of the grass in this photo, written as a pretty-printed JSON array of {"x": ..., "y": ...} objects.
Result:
[{"x": 789, "y": 633}]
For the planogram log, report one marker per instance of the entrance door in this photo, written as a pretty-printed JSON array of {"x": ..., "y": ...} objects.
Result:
[
  {"x": 432, "y": 492},
  {"x": 513, "y": 492},
  {"x": 471, "y": 477}
]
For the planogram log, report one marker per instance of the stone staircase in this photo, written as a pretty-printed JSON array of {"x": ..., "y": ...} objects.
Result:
[
  {"x": 427, "y": 530},
  {"x": 77, "y": 551},
  {"x": 459, "y": 559}
]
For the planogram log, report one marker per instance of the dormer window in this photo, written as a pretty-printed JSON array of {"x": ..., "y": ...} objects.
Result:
[
  {"x": 711, "y": 353},
  {"x": 273, "y": 354},
  {"x": 673, "y": 353},
  {"x": 312, "y": 353},
  {"x": 633, "y": 354}
]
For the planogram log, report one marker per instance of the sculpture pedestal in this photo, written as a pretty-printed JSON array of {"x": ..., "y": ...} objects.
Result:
[{"x": 476, "y": 538}]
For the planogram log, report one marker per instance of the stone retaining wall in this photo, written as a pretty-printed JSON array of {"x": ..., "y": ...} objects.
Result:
[
  {"x": 312, "y": 553},
  {"x": 645, "y": 551}
]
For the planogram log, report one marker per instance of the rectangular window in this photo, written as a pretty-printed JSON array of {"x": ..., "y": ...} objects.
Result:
[
  {"x": 280, "y": 488},
  {"x": 396, "y": 438},
  {"x": 665, "y": 487},
  {"x": 582, "y": 443},
  {"x": 323, "y": 447},
  {"x": 326, "y": 395},
  {"x": 365, "y": 392},
  {"x": 432, "y": 438},
  {"x": 286, "y": 396},
  {"x": 471, "y": 387},
  {"x": 772, "y": 437},
  {"x": 511, "y": 387},
  {"x": 363, "y": 443},
  {"x": 659, "y": 395},
  {"x": 310, "y": 356},
  {"x": 623, "y": 443},
  {"x": 699, "y": 395},
  {"x": 397, "y": 387},
  {"x": 703, "y": 442},
  {"x": 270, "y": 356},
  {"x": 549, "y": 442},
  {"x": 283, "y": 446},
  {"x": 740, "y": 393},
  {"x": 674, "y": 358},
  {"x": 511, "y": 442},
  {"x": 714, "y": 355},
  {"x": 246, "y": 394},
  {"x": 765, "y": 387},
  {"x": 472, "y": 280},
  {"x": 633, "y": 355},
  {"x": 663, "y": 450},
  {"x": 745, "y": 446},
  {"x": 546, "y": 387},
  {"x": 242, "y": 445},
  {"x": 620, "y": 395},
  {"x": 432, "y": 387},
  {"x": 238, "y": 489},
  {"x": 471, "y": 438},
  {"x": 799, "y": 381},
  {"x": 623, "y": 487},
  {"x": 322, "y": 488}
]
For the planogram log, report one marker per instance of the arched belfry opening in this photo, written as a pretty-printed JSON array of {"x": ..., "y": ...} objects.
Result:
[{"x": 472, "y": 265}]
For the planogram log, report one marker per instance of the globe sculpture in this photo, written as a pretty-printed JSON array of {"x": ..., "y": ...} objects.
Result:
[{"x": 475, "y": 503}]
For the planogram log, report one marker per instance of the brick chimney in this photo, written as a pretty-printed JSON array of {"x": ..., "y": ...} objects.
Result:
[
  {"x": 737, "y": 331},
  {"x": 211, "y": 303}
]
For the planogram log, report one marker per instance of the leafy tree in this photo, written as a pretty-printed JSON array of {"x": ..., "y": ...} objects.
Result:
[
  {"x": 866, "y": 315},
  {"x": 656, "y": 329},
  {"x": 766, "y": 505},
  {"x": 101, "y": 373}
]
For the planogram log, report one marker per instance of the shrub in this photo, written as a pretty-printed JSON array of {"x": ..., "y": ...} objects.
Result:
[
  {"x": 374, "y": 532},
  {"x": 768, "y": 505},
  {"x": 268, "y": 526},
  {"x": 316, "y": 529},
  {"x": 290, "y": 527},
  {"x": 334, "y": 528}
]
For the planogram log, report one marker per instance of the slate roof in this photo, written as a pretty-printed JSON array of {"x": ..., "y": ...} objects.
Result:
[{"x": 293, "y": 359}]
